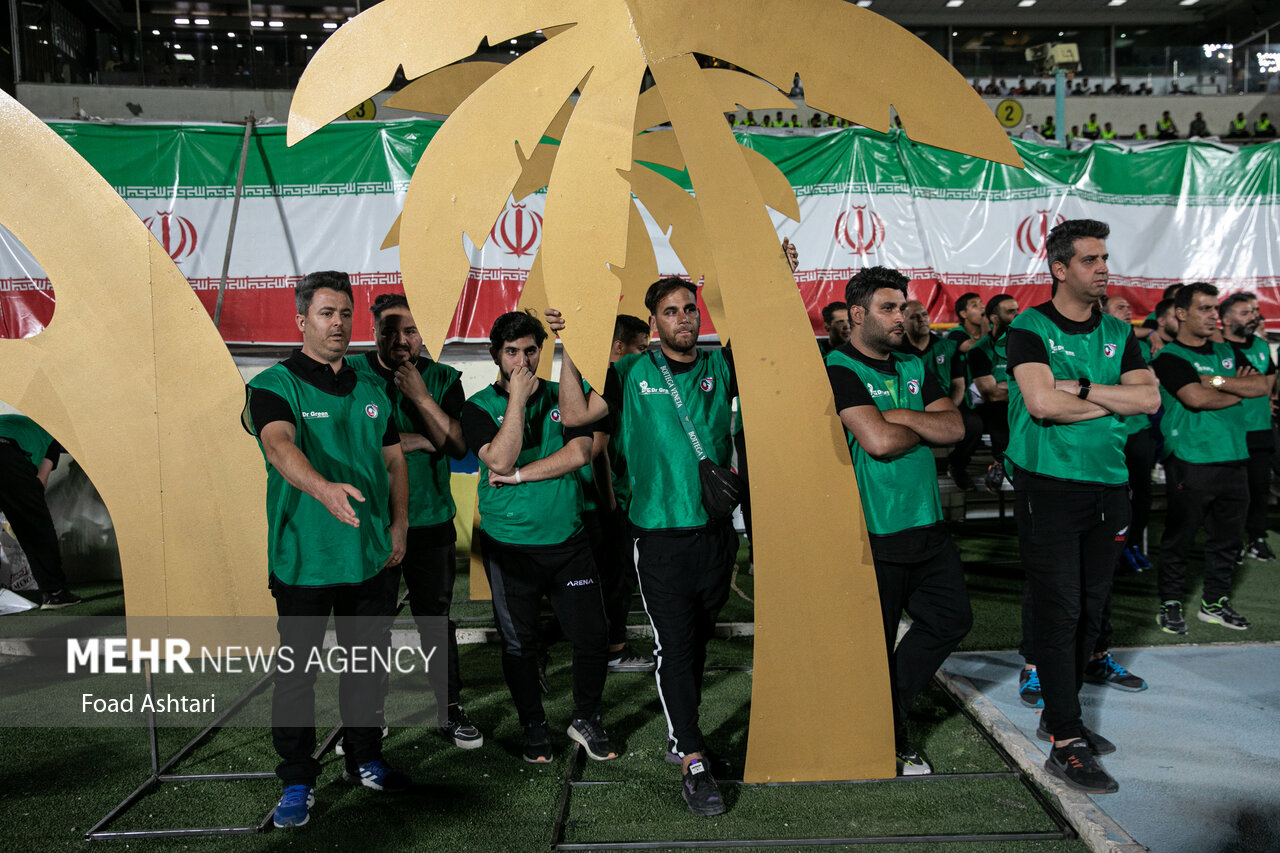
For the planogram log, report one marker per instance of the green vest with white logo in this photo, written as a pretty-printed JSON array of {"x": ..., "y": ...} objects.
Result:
[
  {"x": 939, "y": 357},
  {"x": 1257, "y": 410},
  {"x": 31, "y": 439},
  {"x": 430, "y": 497},
  {"x": 1088, "y": 451},
  {"x": 901, "y": 493},
  {"x": 1203, "y": 438},
  {"x": 1134, "y": 424},
  {"x": 997, "y": 352},
  {"x": 662, "y": 467},
  {"x": 546, "y": 512},
  {"x": 342, "y": 439}
]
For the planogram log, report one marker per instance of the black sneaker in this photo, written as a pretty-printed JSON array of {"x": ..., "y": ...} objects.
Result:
[
  {"x": 591, "y": 735},
  {"x": 1170, "y": 618},
  {"x": 537, "y": 743},
  {"x": 910, "y": 763},
  {"x": 1106, "y": 671},
  {"x": 1097, "y": 743},
  {"x": 1220, "y": 613},
  {"x": 1029, "y": 688},
  {"x": 459, "y": 728},
  {"x": 1259, "y": 550},
  {"x": 625, "y": 660},
  {"x": 994, "y": 478},
  {"x": 701, "y": 791},
  {"x": 60, "y": 599},
  {"x": 961, "y": 478},
  {"x": 1075, "y": 765}
]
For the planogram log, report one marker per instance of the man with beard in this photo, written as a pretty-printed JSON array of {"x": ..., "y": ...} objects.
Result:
[
  {"x": 940, "y": 354},
  {"x": 426, "y": 399},
  {"x": 1241, "y": 321},
  {"x": 972, "y": 318},
  {"x": 1073, "y": 371},
  {"x": 533, "y": 542},
  {"x": 328, "y": 438},
  {"x": 988, "y": 362},
  {"x": 835, "y": 319},
  {"x": 1206, "y": 454},
  {"x": 893, "y": 408},
  {"x": 684, "y": 557}
]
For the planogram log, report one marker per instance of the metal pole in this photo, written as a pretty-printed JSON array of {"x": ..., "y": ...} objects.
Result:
[
  {"x": 1060, "y": 105},
  {"x": 235, "y": 210},
  {"x": 1113, "y": 51},
  {"x": 142, "y": 67},
  {"x": 13, "y": 43}
]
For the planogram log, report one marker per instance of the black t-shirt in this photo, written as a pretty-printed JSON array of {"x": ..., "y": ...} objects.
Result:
[
  {"x": 850, "y": 392},
  {"x": 907, "y": 546},
  {"x": 1026, "y": 347},
  {"x": 957, "y": 360},
  {"x": 267, "y": 406},
  {"x": 1176, "y": 373},
  {"x": 480, "y": 429}
]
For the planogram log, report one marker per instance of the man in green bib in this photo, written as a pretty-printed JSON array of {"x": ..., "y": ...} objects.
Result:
[
  {"x": 532, "y": 538},
  {"x": 1206, "y": 456},
  {"x": 1074, "y": 372},
  {"x": 988, "y": 365},
  {"x": 835, "y": 319},
  {"x": 893, "y": 409},
  {"x": 28, "y": 455},
  {"x": 684, "y": 557},
  {"x": 941, "y": 355},
  {"x": 1240, "y": 323},
  {"x": 329, "y": 439},
  {"x": 426, "y": 398},
  {"x": 972, "y": 317}
]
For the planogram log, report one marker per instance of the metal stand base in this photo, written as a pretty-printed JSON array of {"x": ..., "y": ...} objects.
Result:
[
  {"x": 159, "y": 774},
  {"x": 1064, "y": 832}
]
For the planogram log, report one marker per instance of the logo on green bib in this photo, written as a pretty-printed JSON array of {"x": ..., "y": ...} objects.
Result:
[
  {"x": 707, "y": 384},
  {"x": 371, "y": 410},
  {"x": 1228, "y": 363},
  {"x": 1109, "y": 350},
  {"x": 913, "y": 386}
]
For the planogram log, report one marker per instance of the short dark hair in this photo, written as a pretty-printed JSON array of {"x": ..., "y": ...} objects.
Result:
[
  {"x": 866, "y": 282},
  {"x": 1188, "y": 292},
  {"x": 1234, "y": 300},
  {"x": 385, "y": 302},
  {"x": 829, "y": 311},
  {"x": 515, "y": 325},
  {"x": 1172, "y": 289},
  {"x": 1163, "y": 307},
  {"x": 628, "y": 327},
  {"x": 305, "y": 290},
  {"x": 993, "y": 304},
  {"x": 1060, "y": 246},
  {"x": 664, "y": 287},
  {"x": 963, "y": 301}
]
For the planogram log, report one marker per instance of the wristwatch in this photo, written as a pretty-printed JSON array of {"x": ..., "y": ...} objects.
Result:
[
  {"x": 1218, "y": 381},
  {"x": 1085, "y": 385}
]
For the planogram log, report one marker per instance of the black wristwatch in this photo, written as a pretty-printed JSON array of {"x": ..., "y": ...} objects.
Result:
[{"x": 1085, "y": 385}]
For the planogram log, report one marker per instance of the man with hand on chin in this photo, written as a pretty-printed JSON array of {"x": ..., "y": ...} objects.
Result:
[
  {"x": 337, "y": 515},
  {"x": 532, "y": 538},
  {"x": 427, "y": 400}
]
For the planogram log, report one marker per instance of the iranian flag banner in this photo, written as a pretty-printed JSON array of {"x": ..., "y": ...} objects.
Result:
[{"x": 1178, "y": 212}]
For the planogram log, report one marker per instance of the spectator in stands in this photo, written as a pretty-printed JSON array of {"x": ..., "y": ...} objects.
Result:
[
  {"x": 1107, "y": 132},
  {"x": 1239, "y": 128},
  {"x": 795, "y": 120},
  {"x": 815, "y": 120},
  {"x": 1021, "y": 88},
  {"x": 751, "y": 119},
  {"x": 778, "y": 120},
  {"x": 1091, "y": 129},
  {"x": 1142, "y": 133},
  {"x": 797, "y": 88},
  {"x": 1118, "y": 88},
  {"x": 1165, "y": 128},
  {"x": 1047, "y": 130},
  {"x": 1264, "y": 129},
  {"x": 991, "y": 88},
  {"x": 1199, "y": 127},
  {"x": 1074, "y": 133},
  {"x": 767, "y": 121}
]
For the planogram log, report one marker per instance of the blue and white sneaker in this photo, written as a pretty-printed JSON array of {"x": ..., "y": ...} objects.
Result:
[
  {"x": 1105, "y": 670},
  {"x": 294, "y": 808},
  {"x": 379, "y": 776},
  {"x": 1029, "y": 688}
]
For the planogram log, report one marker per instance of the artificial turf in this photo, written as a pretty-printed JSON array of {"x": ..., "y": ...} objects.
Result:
[{"x": 57, "y": 782}]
